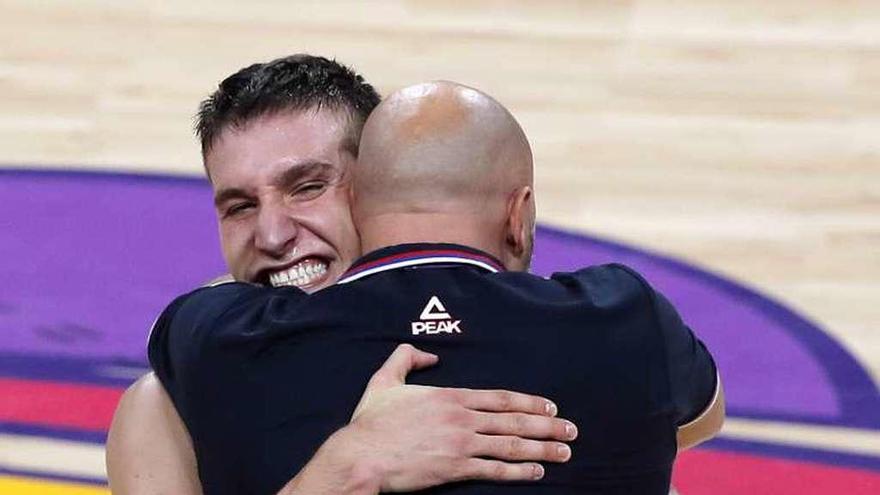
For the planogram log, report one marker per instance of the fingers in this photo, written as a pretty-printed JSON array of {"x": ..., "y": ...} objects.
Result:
[
  {"x": 525, "y": 426},
  {"x": 511, "y": 448},
  {"x": 485, "y": 469},
  {"x": 404, "y": 359},
  {"x": 505, "y": 401}
]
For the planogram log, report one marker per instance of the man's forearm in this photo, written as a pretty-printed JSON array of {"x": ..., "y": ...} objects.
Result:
[
  {"x": 493, "y": 435},
  {"x": 336, "y": 469}
]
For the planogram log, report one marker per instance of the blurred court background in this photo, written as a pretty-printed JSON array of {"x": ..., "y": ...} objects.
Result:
[{"x": 738, "y": 138}]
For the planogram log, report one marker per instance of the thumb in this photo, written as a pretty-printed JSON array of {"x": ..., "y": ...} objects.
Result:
[
  {"x": 404, "y": 359},
  {"x": 392, "y": 373}
]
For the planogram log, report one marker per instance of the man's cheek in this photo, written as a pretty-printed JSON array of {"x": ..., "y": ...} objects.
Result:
[{"x": 235, "y": 252}]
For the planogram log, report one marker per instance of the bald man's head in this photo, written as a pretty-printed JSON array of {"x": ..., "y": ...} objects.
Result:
[
  {"x": 440, "y": 147},
  {"x": 446, "y": 151}
]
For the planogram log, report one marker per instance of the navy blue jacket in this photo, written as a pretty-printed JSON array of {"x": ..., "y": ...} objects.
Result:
[{"x": 262, "y": 376}]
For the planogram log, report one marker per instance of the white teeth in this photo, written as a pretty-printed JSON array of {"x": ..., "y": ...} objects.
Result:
[{"x": 300, "y": 274}]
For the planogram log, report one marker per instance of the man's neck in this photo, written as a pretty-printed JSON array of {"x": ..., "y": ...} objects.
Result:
[{"x": 406, "y": 228}]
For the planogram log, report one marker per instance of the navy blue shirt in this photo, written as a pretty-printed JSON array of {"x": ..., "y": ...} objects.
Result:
[{"x": 262, "y": 376}]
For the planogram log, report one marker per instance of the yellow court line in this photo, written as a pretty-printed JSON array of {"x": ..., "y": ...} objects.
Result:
[{"x": 28, "y": 486}]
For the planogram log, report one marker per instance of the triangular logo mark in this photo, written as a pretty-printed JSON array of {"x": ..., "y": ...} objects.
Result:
[
  {"x": 434, "y": 310},
  {"x": 434, "y": 319}
]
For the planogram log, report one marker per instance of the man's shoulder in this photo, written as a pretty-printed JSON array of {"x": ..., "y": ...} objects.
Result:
[
  {"x": 223, "y": 309},
  {"x": 227, "y": 296},
  {"x": 598, "y": 287},
  {"x": 217, "y": 292},
  {"x": 607, "y": 281},
  {"x": 209, "y": 302},
  {"x": 608, "y": 274}
]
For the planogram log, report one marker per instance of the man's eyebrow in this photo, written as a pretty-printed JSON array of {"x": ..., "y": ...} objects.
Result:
[
  {"x": 300, "y": 169},
  {"x": 228, "y": 193},
  {"x": 295, "y": 172}
]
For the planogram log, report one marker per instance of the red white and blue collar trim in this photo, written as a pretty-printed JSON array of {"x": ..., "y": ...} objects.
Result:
[{"x": 411, "y": 255}]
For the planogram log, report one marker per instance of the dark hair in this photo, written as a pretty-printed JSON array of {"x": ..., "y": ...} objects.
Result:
[{"x": 296, "y": 82}]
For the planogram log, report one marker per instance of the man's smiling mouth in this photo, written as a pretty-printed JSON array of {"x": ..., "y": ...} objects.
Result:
[{"x": 306, "y": 272}]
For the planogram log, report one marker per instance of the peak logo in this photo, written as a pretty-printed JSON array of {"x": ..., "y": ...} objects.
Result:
[{"x": 435, "y": 319}]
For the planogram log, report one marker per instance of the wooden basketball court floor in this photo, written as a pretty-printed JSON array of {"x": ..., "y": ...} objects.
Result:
[{"x": 741, "y": 137}]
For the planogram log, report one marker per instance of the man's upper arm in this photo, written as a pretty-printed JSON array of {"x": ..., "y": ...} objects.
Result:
[
  {"x": 695, "y": 386},
  {"x": 198, "y": 349},
  {"x": 184, "y": 340},
  {"x": 704, "y": 426},
  {"x": 148, "y": 448},
  {"x": 694, "y": 390}
]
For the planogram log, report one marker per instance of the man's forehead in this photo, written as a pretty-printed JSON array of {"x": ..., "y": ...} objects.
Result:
[
  {"x": 308, "y": 128},
  {"x": 272, "y": 143}
]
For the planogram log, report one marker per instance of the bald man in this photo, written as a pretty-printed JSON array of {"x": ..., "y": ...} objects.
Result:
[{"x": 444, "y": 204}]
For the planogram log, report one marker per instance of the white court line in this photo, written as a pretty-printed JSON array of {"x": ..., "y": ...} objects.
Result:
[
  {"x": 83, "y": 459},
  {"x": 52, "y": 456},
  {"x": 834, "y": 438}
]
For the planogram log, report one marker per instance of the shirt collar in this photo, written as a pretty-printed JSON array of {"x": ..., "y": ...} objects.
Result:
[{"x": 411, "y": 255}]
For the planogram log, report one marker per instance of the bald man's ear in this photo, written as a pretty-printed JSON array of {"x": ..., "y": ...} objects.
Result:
[{"x": 520, "y": 224}]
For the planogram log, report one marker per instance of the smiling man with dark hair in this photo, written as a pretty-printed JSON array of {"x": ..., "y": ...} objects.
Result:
[{"x": 278, "y": 140}]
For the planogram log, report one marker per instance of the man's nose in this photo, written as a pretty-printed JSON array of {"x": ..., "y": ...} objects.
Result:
[{"x": 276, "y": 230}]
